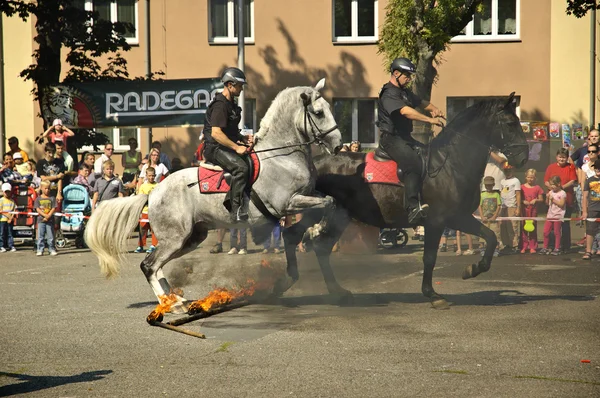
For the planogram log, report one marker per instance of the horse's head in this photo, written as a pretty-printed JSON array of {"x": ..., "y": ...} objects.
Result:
[
  {"x": 318, "y": 123},
  {"x": 506, "y": 133}
]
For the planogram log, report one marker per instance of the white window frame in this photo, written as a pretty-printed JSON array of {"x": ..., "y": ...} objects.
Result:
[
  {"x": 231, "y": 38},
  {"x": 118, "y": 146},
  {"x": 89, "y": 6},
  {"x": 494, "y": 37},
  {"x": 355, "y": 120},
  {"x": 354, "y": 38}
]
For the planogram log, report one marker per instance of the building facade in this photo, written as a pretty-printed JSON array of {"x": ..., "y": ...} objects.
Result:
[{"x": 530, "y": 47}]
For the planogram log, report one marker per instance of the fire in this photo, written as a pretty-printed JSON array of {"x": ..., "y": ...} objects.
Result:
[
  {"x": 166, "y": 302},
  {"x": 223, "y": 296}
]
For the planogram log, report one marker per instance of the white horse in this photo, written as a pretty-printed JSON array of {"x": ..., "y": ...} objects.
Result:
[{"x": 181, "y": 216}]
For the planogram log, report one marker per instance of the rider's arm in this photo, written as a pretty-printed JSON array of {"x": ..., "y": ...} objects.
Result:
[
  {"x": 432, "y": 109},
  {"x": 413, "y": 114},
  {"x": 222, "y": 139}
]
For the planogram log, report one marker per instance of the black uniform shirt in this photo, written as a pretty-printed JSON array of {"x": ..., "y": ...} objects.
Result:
[
  {"x": 391, "y": 100},
  {"x": 224, "y": 114}
]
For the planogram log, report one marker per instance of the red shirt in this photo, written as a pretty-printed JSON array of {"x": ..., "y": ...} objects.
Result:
[{"x": 566, "y": 173}]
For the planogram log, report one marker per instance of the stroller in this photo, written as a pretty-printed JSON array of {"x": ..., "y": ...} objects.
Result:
[
  {"x": 23, "y": 224},
  {"x": 77, "y": 204}
]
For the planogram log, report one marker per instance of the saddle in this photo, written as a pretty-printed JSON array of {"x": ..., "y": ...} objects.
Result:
[
  {"x": 213, "y": 179},
  {"x": 381, "y": 169}
]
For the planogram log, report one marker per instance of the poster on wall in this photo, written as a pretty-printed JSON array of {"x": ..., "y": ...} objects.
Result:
[
  {"x": 554, "y": 130},
  {"x": 566, "y": 136},
  {"x": 540, "y": 131},
  {"x": 577, "y": 131},
  {"x": 526, "y": 127},
  {"x": 539, "y": 155}
]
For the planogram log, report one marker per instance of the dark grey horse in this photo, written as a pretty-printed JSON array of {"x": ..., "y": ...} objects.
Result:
[{"x": 458, "y": 156}]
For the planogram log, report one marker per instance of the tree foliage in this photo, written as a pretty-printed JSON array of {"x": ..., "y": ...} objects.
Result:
[
  {"x": 421, "y": 30},
  {"x": 579, "y": 8},
  {"x": 64, "y": 25}
]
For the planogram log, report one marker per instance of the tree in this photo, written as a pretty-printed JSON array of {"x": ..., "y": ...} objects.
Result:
[
  {"x": 580, "y": 7},
  {"x": 65, "y": 24},
  {"x": 421, "y": 30}
]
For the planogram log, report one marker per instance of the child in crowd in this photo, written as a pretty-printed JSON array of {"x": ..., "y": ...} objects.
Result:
[
  {"x": 238, "y": 246},
  {"x": 532, "y": 195},
  {"x": 489, "y": 208},
  {"x": 45, "y": 205},
  {"x": 6, "y": 229},
  {"x": 22, "y": 167},
  {"x": 82, "y": 177},
  {"x": 145, "y": 189},
  {"x": 511, "y": 204},
  {"x": 468, "y": 252},
  {"x": 276, "y": 234},
  {"x": 107, "y": 187},
  {"x": 556, "y": 199},
  {"x": 591, "y": 208}
]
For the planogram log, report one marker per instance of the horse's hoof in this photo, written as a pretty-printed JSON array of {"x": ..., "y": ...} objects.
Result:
[
  {"x": 469, "y": 271},
  {"x": 342, "y": 296},
  {"x": 439, "y": 303},
  {"x": 293, "y": 273},
  {"x": 282, "y": 285}
]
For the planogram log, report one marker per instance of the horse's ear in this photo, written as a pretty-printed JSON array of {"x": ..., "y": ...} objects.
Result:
[
  {"x": 320, "y": 84},
  {"x": 305, "y": 98},
  {"x": 509, "y": 101}
]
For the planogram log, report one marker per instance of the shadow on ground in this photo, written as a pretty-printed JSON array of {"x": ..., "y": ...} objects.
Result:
[{"x": 31, "y": 383}]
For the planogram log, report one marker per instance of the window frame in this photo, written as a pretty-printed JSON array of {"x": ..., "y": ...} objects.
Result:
[
  {"x": 230, "y": 38},
  {"x": 354, "y": 134},
  {"x": 494, "y": 37},
  {"x": 115, "y": 140},
  {"x": 354, "y": 38},
  {"x": 89, "y": 6}
]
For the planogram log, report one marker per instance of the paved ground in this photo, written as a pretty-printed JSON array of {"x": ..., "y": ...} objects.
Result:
[{"x": 521, "y": 330}]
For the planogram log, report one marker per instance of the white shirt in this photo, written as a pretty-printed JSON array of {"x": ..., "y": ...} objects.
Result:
[
  {"x": 99, "y": 162},
  {"x": 589, "y": 172},
  {"x": 492, "y": 169},
  {"x": 161, "y": 170},
  {"x": 510, "y": 186}
]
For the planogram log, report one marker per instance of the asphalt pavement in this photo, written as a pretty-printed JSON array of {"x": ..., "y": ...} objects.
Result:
[{"x": 527, "y": 328}]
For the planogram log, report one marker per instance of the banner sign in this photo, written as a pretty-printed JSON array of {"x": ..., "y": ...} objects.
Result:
[{"x": 150, "y": 103}]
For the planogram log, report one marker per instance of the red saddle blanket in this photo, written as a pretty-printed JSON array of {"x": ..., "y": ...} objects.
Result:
[
  {"x": 377, "y": 172},
  {"x": 211, "y": 181}
]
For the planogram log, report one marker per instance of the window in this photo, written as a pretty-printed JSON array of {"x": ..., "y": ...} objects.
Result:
[
  {"x": 355, "y": 21},
  {"x": 114, "y": 11},
  {"x": 223, "y": 25},
  {"x": 250, "y": 114},
  {"x": 118, "y": 137},
  {"x": 454, "y": 105},
  {"x": 356, "y": 120},
  {"x": 498, "y": 21}
]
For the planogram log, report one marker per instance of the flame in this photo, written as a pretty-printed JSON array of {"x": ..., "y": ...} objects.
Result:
[
  {"x": 223, "y": 296},
  {"x": 166, "y": 302}
]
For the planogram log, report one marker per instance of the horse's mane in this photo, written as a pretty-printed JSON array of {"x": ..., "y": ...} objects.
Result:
[
  {"x": 283, "y": 100},
  {"x": 482, "y": 110}
]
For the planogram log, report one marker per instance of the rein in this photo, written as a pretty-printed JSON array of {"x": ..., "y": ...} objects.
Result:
[{"x": 318, "y": 138}]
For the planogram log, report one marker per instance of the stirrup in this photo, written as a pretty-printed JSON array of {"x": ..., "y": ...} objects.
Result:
[{"x": 418, "y": 214}]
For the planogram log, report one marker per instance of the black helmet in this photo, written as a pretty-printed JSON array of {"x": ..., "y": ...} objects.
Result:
[
  {"x": 233, "y": 75},
  {"x": 403, "y": 65}
]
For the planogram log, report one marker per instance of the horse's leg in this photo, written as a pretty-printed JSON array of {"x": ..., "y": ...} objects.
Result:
[
  {"x": 301, "y": 203},
  {"x": 171, "y": 246},
  {"x": 432, "y": 241},
  {"x": 470, "y": 225}
]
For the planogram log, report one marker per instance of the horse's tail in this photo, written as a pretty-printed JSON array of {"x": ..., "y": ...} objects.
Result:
[{"x": 109, "y": 227}]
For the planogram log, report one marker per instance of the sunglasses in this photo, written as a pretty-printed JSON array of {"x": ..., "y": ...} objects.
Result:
[{"x": 596, "y": 151}]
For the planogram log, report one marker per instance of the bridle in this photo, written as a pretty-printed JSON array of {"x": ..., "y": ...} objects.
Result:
[{"x": 317, "y": 134}]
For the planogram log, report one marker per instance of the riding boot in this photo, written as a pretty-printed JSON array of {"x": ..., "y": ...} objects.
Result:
[{"x": 417, "y": 212}]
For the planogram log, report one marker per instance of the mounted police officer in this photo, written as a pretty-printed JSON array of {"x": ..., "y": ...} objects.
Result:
[
  {"x": 224, "y": 143},
  {"x": 396, "y": 112}
]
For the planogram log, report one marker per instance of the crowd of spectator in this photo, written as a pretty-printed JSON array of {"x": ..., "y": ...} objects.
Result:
[{"x": 49, "y": 176}]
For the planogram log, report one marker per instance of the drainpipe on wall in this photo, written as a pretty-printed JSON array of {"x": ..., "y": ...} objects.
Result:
[
  {"x": 240, "y": 10},
  {"x": 147, "y": 60},
  {"x": 593, "y": 69},
  {"x": 2, "y": 122}
]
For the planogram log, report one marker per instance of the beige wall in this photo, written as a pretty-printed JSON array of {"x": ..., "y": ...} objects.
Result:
[
  {"x": 19, "y": 108},
  {"x": 490, "y": 69},
  {"x": 569, "y": 67}
]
